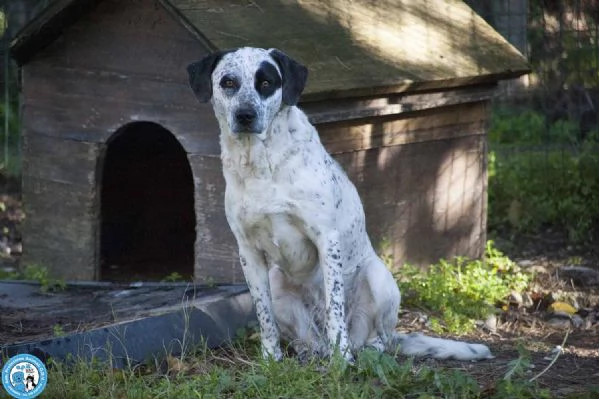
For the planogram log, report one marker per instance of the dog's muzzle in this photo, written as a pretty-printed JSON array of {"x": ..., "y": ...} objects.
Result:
[{"x": 246, "y": 121}]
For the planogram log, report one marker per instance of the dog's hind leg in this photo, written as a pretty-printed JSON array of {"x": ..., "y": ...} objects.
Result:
[
  {"x": 295, "y": 320},
  {"x": 373, "y": 313}
]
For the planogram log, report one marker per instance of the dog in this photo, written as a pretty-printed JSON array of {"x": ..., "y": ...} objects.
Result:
[{"x": 313, "y": 275}]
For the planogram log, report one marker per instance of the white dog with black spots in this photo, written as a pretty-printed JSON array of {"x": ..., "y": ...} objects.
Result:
[{"x": 312, "y": 272}]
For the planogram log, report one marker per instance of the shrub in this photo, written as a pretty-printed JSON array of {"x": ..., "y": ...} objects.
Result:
[
  {"x": 531, "y": 188},
  {"x": 462, "y": 290}
]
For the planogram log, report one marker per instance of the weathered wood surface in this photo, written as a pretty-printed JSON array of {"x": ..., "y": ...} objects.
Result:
[
  {"x": 215, "y": 248},
  {"x": 366, "y": 107},
  {"x": 76, "y": 94},
  {"x": 434, "y": 44},
  {"x": 417, "y": 158},
  {"x": 413, "y": 127},
  {"x": 360, "y": 45},
  {"x": 421, "y": 177},
  {"x": 104, "y": 72},
  {"x": 59, "y": 160},
  {"x": 59, "y": 230},
  {"x": 426, "y": 200}
]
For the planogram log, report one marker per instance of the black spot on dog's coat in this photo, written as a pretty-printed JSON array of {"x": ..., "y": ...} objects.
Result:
[{"x": 267, "y": 80}]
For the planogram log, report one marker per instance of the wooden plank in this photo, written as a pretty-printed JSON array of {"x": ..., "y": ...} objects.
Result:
[
  {"x": 66, "y": 82},
  {"x": 424, "y": 199},
  {"x": 435, "y": 124},
  {"x": 384, "y": 105},
  {"x": 59, "y": 231},
  {"x": 122, "y": 52},
  {"x": 58, "y": 160},
  {"x": 216, "y": 253},
  {"x": 438, "y": 41},
  {"x": 96, "y": 120},
  {"x": 131, "y": 36},
  {"x": 46, "y": 26}
]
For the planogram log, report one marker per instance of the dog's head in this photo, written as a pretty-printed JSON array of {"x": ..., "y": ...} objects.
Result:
[{"x": 248, "y": 86}]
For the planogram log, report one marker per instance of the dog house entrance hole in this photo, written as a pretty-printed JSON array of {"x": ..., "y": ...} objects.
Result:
[{"x": 147, "y": 229}]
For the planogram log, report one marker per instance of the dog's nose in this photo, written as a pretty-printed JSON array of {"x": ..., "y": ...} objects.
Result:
[{"x": 245, "y": 116}]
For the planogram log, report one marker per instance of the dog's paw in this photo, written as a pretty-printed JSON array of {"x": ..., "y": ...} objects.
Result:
[{"x": 275, "y": 354}]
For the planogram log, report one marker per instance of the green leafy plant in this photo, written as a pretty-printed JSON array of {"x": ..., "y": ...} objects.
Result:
[
  {"x": 531, "y": 188},
  {"x": 460, "y": 291},
  {"x": 173, "y": 278},
  {"x": 57, "y": 330},
  {"x": 9, "y": 275},
  {"x": 42, "y": 275}
]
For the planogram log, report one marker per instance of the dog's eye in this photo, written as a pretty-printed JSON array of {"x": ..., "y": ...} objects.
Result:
[
  {"x": 228, "y": 83},
  {"x": 265, "y": 84}
]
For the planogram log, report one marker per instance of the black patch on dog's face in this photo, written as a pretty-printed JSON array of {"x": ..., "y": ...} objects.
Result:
[
  {"x": 200, "y": 74},
  {"x": 267, "y": 80}
]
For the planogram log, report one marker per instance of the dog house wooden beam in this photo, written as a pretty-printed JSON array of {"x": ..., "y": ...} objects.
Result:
[{"x": 401, "y": 102}]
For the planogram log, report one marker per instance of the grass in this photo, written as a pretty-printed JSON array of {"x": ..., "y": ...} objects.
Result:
[{"x": 238, "y": 372}]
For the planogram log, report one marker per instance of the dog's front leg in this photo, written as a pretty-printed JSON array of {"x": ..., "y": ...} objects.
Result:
[
  {"x": 255, "y": 270},
  {"x": 332, "y": 265}
]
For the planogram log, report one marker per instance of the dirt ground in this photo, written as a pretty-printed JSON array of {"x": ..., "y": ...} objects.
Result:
[{"x": 575, "y": 370}]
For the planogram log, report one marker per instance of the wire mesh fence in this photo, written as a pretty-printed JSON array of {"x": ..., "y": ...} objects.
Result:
[
  {"x": 544, "y": 132},
  {"x": 561, "y": 40},
  {"x": 14, "y": 14}
]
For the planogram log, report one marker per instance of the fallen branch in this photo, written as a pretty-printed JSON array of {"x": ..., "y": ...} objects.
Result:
[{"x": 559, "y": 352}]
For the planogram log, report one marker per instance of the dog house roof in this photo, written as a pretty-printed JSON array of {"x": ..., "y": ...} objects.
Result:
[{"x": 364, "y": 46}]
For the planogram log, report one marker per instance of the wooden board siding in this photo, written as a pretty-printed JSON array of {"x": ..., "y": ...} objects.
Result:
[
  {"x": 421, "y": 177},
  {"x": 417, "y": 159},
  {"x": 99, "y": 75},
  {"x": 59, "y": 229},
  {"x": 94, "y": 79},
  {"x": 216, "y": 250}
]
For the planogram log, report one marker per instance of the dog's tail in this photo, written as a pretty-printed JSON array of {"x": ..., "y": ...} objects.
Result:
[{"x": 417, "y": 344}]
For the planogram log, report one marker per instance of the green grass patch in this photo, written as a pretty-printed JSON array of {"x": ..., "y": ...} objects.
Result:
[
  {"x": 460, "y": 291},
  {"x": 231, "y": 373}
]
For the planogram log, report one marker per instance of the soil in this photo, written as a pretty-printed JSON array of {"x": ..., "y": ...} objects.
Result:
[{"x": 575, "y": 370}]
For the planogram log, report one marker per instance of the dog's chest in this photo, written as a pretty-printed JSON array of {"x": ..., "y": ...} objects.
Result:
[{"x": 264, "y": 212}]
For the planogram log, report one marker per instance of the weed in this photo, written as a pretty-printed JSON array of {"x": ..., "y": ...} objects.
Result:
[
  {"x": 57, "y": 330},
  {"x": 173, "y": 278},
  {"x": 9, "y": 274},
  {"x": 516, "y": 382},
  {"x": 42, "y": 276},
  {"x": 35, "y": 273},
  {"x": 462, "y": 291}
]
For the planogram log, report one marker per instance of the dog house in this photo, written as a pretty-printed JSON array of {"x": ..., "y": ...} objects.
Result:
[{"x": 121, "y": 167}]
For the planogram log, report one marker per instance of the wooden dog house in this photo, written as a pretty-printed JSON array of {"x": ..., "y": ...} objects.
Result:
[{"x": 121, "y": 166}]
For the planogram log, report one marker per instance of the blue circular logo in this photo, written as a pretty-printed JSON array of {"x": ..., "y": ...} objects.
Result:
[{"x": 24, "y": 376}]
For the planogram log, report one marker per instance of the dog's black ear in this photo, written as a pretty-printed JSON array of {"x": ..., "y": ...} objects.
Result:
[
  {"x": 294, "y": 76},
  {"x": 200, "y": 75}
]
